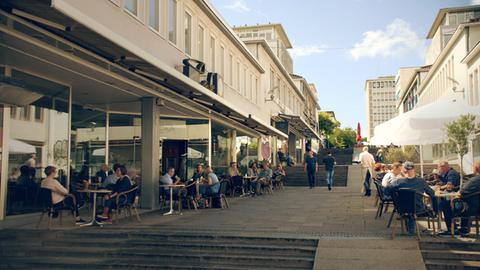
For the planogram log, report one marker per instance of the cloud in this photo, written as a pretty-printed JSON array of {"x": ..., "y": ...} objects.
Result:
[
  {"x": 475, "y": 2},
  {"x": 397, "y": 39},
  {"x": 238, "y": 6},
  {"x": 299, "y": 51}
]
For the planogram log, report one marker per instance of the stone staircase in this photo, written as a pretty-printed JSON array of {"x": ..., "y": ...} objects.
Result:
[
  {"x": 342, "y": 156},
  {"x": 105, "y": 248},
  {"x": 440, "y": 254},
  {"x": 297, "y": 177}
]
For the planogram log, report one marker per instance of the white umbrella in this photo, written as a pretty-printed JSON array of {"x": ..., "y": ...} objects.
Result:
[{"x": 19, "y": 147}]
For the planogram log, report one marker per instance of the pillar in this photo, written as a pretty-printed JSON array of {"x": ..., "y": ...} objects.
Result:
[
  {"x": 292, "y": 144},
  {"x": 232, "y": 134},
  {"x": 150, "y": 153}
]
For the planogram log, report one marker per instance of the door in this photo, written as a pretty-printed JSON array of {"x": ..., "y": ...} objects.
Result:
[{"x": 174, "y": 153}]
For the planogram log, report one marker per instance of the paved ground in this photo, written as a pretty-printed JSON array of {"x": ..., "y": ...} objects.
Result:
[{"x": 342, "y": 219}]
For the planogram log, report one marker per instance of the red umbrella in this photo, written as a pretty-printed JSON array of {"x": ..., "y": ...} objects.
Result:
[{"x": 359, "y": 133}]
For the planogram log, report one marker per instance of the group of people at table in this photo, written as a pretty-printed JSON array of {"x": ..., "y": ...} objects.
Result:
[
  {"x": 112, "y": 182},
  {"x": 442, "y": 186},
  {"x": 208, "y": 182}
]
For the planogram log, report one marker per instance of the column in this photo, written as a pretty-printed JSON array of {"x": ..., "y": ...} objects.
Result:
[
  {"x": 150, "y": 153},
  {"x": 292, "y": 144},
  {"x": 233, "y": 145}
]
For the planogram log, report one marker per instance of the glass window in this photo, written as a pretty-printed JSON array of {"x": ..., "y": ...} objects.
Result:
[
  {"x": 246, "y": 151},
  {"x": 222, "y": 148},
  {"x": 230, "y": 76},
  {"x": 212, "y": 53},
  {"x": 38, "y": 114},
  {"x": 131, "y": 6},
  {"x": 222, "y": 61},
  {"x": 172, "y": 21},
  {"x": 125, "y": 140},
  {"x": 476, "y": 148},
  {"x": 238, "y": 77},
  {"x": 201, "y": 43},
  {"x": 188, "y": 33},
  {"x": 153, "y": 14}
]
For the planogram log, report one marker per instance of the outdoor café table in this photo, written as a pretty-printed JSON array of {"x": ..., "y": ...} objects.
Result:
[
  {"x": 447, "y": 196},
  {"x": 171, "y": 187},
  {"x": 94, "y": 193}
]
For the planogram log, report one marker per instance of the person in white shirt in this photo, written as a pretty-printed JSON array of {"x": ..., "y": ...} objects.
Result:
[
  {"x": 167, "y": 179},
  {"x": 60, "y": 196},
  {"x": 367, "y": 161},
  {"x": 394, "y": 174}
]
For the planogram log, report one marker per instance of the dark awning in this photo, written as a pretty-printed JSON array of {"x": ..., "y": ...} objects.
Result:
[{"x": 300, "y": 125}]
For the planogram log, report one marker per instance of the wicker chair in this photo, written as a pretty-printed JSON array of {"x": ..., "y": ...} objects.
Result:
[{"x": 127, "y": 202}]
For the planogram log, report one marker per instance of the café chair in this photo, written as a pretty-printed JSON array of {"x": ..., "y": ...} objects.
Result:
[
  {"x": 404, "y": 202},
  {"x": 384, "y": 200},
  {"x": 471, "y": 216},
  {"x": 127, "y": 202},
  {"x": 45, "y": 200}
]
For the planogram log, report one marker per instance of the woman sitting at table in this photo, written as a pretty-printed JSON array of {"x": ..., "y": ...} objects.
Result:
[
  {"x": 233, "y": 169},
  {"x": 123, "y": 184},
  {"x": 60, "y": 196},
  {"x": 211, "y": 185},
  {"x": 252, "y": 170}
]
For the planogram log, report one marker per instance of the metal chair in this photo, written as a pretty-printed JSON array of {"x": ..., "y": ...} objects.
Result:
[
  {"x": 127, "y": 201},
  {"x": 471, "y": 216},
  {"x": 404, "y": 201},
  {"x": 384, "y": 200},
  {"x": 220, "y": 195},
  {"x": 237, "y": 185},
  {"x": 45, "y": 200}
]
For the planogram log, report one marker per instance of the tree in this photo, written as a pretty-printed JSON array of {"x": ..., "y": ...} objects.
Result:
[
  {"x": 402, "y": 154},
  {"x": 326, "y": 125},
  {"x": 343, "y": 138},
  {"x": 459, "y": 132}
]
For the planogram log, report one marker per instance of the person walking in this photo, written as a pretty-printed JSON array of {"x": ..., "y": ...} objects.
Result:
[
  {"x": 329, "y": 162},
  {"x": 367, "y": 161},
  {"x": 311, "y": 168}
]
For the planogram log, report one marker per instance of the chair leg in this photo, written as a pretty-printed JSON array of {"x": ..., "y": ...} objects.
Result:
[
  {"x": 386, "y": 207},
  {"x": 391, "y": 218},
  {"x": 418, "y": 229},
  {"x": 43, "y": 213},
  {"x": 226, "y": 202},
  {"x": 452, "y": 227},
  {"x": 403, "y": 224}
]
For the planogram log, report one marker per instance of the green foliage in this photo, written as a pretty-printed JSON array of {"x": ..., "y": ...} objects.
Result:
[
  {"x": 342, "y": 138},
  {"x": 327, "y": 124},
  {"x": 407, "y": 153},
  {"x": 458, "y": 133}
]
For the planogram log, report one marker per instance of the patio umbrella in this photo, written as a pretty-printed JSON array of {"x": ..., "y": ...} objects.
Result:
[{"x": 359, "y": 133}]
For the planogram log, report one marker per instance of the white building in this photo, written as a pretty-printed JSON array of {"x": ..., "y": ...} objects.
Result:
[{"x": 379, "y": 102}]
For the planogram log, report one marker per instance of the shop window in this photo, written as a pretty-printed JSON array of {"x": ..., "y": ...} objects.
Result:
[
  {"x": 188, "y": 33},
  {"x": 131, "y": 6},
  {"x": 172, "y": 21},
  {"x": 154, "y": 14}
]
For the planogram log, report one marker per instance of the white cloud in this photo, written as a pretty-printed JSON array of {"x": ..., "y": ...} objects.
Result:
[
  {"x": 397, "y": 39},
  {"x": 238, "y": 6},
  {"x": 299, "y": 51},
  {"x": 475, "y": 2}
]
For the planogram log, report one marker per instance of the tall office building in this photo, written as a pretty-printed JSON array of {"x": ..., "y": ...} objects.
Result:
[{"x": 380, "y": 102}]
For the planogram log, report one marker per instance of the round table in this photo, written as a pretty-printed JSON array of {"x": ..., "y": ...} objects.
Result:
[
  {"x": 171, "y": 187},
  {"x": 94, "y": 193}
]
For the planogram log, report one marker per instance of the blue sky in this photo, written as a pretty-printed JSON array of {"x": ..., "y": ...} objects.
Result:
[{"x": 340, "y": 44}]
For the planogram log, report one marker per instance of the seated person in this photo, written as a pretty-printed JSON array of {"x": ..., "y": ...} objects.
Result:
[
  {"x": 380, "y": 170},
  {"x": 211, "y": 184},
  {"x": 199, "y": 174},
  {"x": 263, "y": 178},
  {"x": 252, "y": 170},
  {"x": 433, "y": 178},
  {"x": 25, "y": 176},
  {"x": 233, "y": 169},
  {"x": 279, "y": 171},
  {"x": 123, "y": 184},
  {"x": 471, "y": 187},
  {"x": 169, "y": 178},
  {"x": 60, "y": 198},
  {"x": 103, "y": 173},
  {"x": 448, "y": 175},
  {"x": 420, "y": 186},
  {"x": 111, "y": 178},
  {"x": 394, "y": 174},
  {"x": 132, "y": 175}
]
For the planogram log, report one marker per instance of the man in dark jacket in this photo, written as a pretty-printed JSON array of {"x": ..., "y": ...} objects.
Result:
[
  {"x": 471, "y": 187},
  {"x": 448, "y": 174},
  {"x": 419, "y": 186}
]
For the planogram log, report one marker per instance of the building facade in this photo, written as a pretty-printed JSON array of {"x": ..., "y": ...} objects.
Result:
[
  {"x": 149, "y": 84},
  {"x": 379, "y": 102}
]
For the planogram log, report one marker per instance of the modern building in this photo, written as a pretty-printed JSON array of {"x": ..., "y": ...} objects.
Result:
[
  {"x": 149, "y": 84},
  {"x": 408, "y": 80},
  {"x": 379, "y": 101}
]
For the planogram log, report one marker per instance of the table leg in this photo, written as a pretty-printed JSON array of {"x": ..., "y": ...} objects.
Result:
[
  {"x": 171, "y": 203},
  {"x": 94, "y": 221}
]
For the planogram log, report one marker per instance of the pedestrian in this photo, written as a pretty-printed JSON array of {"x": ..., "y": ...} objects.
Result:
[
  {"x": 311, "y": 168},
  {"x": 367, "y": 161},
  {"x": 329, "y": 162}
]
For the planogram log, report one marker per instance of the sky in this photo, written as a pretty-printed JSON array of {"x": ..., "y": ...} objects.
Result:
[{"x": 340, "y": 44}]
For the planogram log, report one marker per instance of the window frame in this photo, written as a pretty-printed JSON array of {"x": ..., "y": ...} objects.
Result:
[
  {"x": 159, "y": 20},
  {"x": 174, "y": 21},
  {"x": 137, "y": 9},
  {"x": 189, "y": 13}
]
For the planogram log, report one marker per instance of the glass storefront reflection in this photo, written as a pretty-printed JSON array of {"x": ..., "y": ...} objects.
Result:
[
  {"x": 476, "y": 148},
  {"x": 125, "y": 140},
  {"x": 222, "y": 142},
  {"x": 246, "y": 151},
  {"x": 38, "y": 131}
]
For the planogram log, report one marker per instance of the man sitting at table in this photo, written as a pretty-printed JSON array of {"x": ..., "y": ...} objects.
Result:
[
  {"x": 394, "y": 174},
  {"x": 419, "y": 186},
  {"x": 199, "y": 174},
  {"x": 471, "y": 187},
  {"x": 60, "y": 197},
  {"x": 448, "y": 175},
  {"x": 112, "y": 178},
  {"x": 263, "y": 178},
  {"x": 103, "y": 173},
  {"x": 123, "y": 184}
]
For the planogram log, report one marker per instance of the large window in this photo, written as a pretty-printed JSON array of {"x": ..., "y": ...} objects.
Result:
[
  {"x": 222, "y": 61},
  {"x": 212, "y": 53},
  {"x": 230, "y": 70},
  {"x": 201, "y": 43},
  {"x": 172, "y": 21},
  {"x": 153, "y": 14},
  {"x": 223, "y": 145},
  {"x": 188, "y": 33},
  {"x": 246, "y": 151},
  {"x": 125, "y": 140},
  {"x": 237, "y": 81},
  {"x": 131, "y": 6}
]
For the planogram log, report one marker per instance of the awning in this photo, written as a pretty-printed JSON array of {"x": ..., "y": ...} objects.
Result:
[
  {"x": 300, "y": 125},
  {"x": 19, "y": 147},
  {"x": 125, "y": 53}
]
